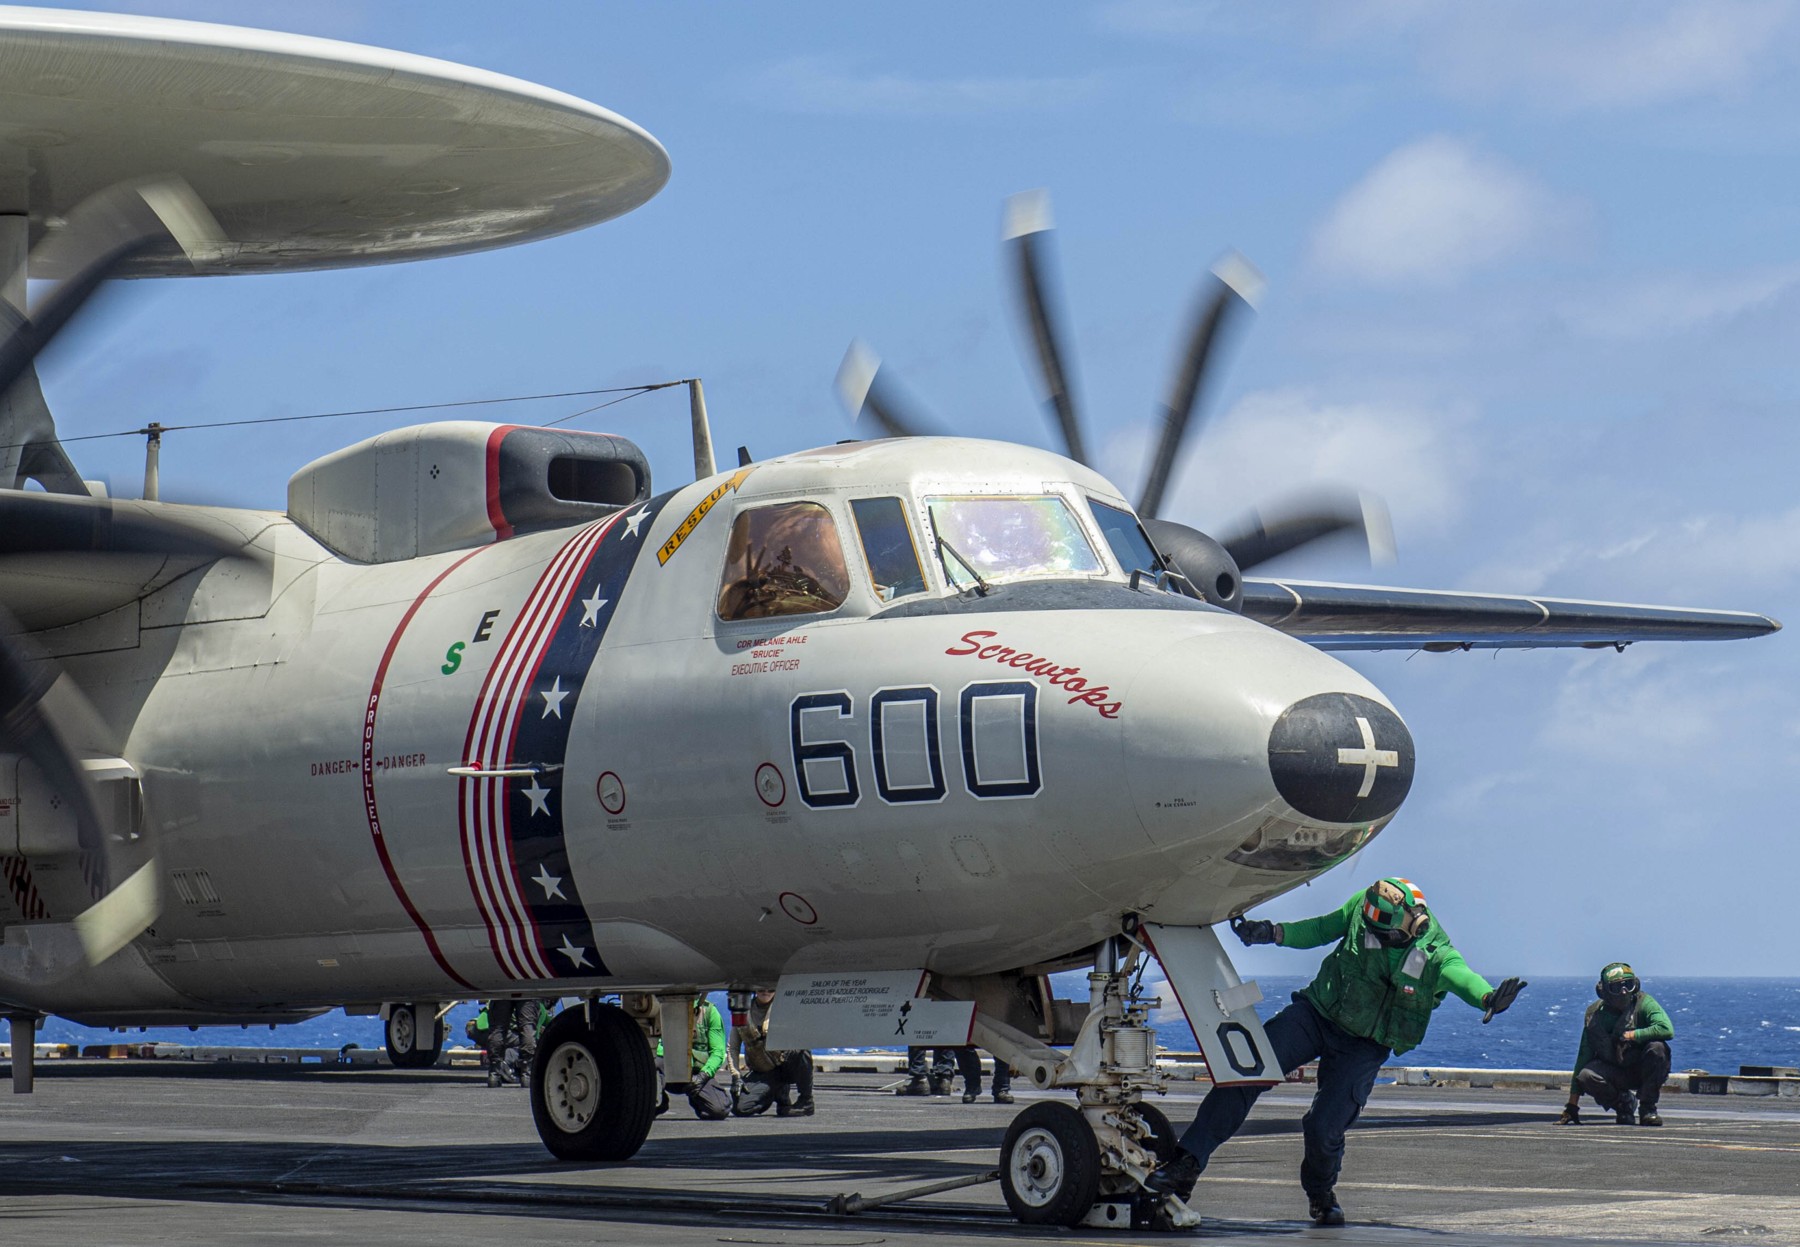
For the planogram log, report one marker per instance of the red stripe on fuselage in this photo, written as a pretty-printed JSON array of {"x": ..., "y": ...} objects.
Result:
[
  {"x": 482, "y": 808},
  {"x": 368, "y": 773},
  {"x": 496, "y": 516},
  {"x": 489, "y": 862},
  {"x": 483, "y": 849}
]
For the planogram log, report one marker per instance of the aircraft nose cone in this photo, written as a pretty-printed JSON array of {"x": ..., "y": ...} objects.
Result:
[{"x": 1341, "y": 758}]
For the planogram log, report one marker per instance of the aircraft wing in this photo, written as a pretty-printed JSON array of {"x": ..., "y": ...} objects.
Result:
[{"x": 1339, "y": 616}]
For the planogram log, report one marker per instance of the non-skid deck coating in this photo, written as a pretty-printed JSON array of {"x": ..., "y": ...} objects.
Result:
[{"x": 110, "y": 1152}]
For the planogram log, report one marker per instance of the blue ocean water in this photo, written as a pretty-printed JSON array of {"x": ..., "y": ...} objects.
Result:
[{"x": 1720, "y": 1024}]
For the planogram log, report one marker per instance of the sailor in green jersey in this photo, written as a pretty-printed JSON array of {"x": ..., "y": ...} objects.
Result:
[
  {"x": 1373, "y": 997},
  {"x": 709, "y": 1040},
  {"x": 1623, "y": 1059}
]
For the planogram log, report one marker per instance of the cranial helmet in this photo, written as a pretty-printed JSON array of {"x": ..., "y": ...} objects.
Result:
[
  {"x": 1618, "y": 983},
  {"x": 1395, "y": 911}
]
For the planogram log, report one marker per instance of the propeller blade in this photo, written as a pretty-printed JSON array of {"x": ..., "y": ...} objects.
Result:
[
  {"x": 103, "y": 233},
  {"x": 865, "y": 394},
  {"x": 1236, "y": 287},
  {"x": 42, "y": 717},
  {"x": 1027, "y": 221},
  {"x": 1267, "y": 535}
]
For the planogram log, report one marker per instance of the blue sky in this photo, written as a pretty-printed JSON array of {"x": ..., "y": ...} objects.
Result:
[{"x": 1534, "y": 277}]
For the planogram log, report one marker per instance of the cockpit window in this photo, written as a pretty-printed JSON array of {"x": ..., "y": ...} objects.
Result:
[
  {"x": 887, "y": 543},
  {"x": 782, "y": 560},
  {"x": 1126, "y": 537},
  {"x": 991, "y": 540}
]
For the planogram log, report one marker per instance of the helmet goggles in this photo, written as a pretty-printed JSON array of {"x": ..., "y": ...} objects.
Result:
[
  {"x": 1618, "y": 983},
  {"x": 1395, "y": 912}
]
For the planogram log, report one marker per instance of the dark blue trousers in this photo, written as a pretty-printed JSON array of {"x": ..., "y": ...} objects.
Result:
[{"x": 1347, "y": 1069}]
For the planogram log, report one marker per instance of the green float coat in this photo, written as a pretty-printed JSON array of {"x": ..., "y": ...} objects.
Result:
[
  {"x": 1367, "y": 990},
  {"x": 1601, "y": 1028}
]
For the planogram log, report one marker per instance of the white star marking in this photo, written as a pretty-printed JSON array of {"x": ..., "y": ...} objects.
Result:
[
  {"x": 536, "y": 794},
  {"x": 577, "y": 956},
  {"x": 590, "y": 609},
  {"x": 553, "y": 699},
  {"x": 552, "y": 884},
  {"x": 633, "y": 520},
  {"x": 1368, "y": 757}
]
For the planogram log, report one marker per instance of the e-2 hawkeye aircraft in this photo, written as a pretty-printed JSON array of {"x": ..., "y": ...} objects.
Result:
[{"x": 899, "y": 726}]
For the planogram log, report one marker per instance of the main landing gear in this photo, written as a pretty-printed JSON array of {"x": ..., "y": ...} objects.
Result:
[
  {"x": 415, "y": 1035},
  {"x": 593, "y": 1088}
]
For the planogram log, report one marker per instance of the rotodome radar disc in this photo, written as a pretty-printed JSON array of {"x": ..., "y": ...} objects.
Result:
[{"x": 312, "y": 153}]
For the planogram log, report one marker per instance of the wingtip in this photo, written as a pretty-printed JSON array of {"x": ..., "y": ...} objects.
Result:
[{"x": 1027, "y": 212}]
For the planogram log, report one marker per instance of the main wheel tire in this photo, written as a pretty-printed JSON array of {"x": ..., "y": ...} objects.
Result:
[
  {"x": 1162, "y": 1135},
  {"x": 1050, "y": 1165},
  {"x": 408, "y": 1044},
  {"x": 593, "y": 1085}
]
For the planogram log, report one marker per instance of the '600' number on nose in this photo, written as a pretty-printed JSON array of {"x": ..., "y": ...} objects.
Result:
[{"x": 994, "y": 737}]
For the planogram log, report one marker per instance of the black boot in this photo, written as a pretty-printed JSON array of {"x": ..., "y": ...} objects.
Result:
[
  {"x": 1625, "y": 1111},
  {"x": 1175, "y": 1176},
  {"x": 1324, "y": 1209},
  {"x": 940, "y": 1086},
  {"x": 1648, "y": 1116},
  {"x": 914, "y": 1087},
  {"x": 971, "y": 1092}
]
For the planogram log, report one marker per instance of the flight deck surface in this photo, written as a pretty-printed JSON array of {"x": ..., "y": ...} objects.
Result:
[{"x": 116, "y": 1152}]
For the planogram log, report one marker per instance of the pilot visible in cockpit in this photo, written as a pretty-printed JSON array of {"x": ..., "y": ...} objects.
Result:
[{"x": 784, "y": 559}]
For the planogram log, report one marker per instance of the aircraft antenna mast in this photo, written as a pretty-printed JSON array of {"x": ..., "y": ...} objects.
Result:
[
  {"x": 703, "y": 447},
  {"x": 152, "y": 461}
]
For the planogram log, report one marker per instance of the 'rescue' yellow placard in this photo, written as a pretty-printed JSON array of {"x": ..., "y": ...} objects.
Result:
[{"x": 694, "y": 517}]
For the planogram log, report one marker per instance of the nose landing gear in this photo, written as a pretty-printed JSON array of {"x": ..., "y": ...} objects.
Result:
[{"x": 1085, "y": 1164}]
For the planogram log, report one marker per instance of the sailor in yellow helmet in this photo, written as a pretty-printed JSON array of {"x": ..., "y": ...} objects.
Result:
[{"x": 1373, "y": 997}]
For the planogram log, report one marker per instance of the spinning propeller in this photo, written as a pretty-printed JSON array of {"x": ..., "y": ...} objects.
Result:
[
  {"x": 44, "y": 717},
  {"x": 1212, "y": 566}
]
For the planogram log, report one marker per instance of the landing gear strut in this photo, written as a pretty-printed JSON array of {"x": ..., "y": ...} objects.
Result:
[{"x": 1085, "y": 1164}]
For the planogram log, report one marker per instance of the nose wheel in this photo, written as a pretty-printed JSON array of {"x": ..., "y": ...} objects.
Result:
[{"x": 1050, "y": 1165}]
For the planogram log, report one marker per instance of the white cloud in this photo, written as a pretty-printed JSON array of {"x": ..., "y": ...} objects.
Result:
[
  {"x": 1670, "y": 704},
  {"x": 1433, "y": 212},
  {"x": 1562, "y": 57},
  {"x": 839, "y": 86},
  {"x": 1274, "y": 444},
  {"x": 1671, "y": 304},
  {"x": 1693, "y": 558}
]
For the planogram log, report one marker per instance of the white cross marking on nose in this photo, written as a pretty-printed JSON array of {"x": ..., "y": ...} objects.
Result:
[{"x": 1368, "y": 757}]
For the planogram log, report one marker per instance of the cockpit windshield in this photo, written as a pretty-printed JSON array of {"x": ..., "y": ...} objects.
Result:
[{"x": 986, "y": 540}]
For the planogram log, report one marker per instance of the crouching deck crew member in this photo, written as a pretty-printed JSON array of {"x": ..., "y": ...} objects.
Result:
[{"x": 1623, "y": 1059}]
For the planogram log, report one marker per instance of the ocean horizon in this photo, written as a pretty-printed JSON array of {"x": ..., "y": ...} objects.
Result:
[{"x": 1720, "y": 1024}]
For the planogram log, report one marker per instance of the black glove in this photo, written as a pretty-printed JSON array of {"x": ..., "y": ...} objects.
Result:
[
  {"x": 1571, "y": 1115},
  {"x": 1253, "y": 930},
  {"x": 1501, "y": 998}
]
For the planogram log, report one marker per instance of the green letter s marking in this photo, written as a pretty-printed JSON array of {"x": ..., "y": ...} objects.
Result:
[{"x": 452, "y": 659}]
